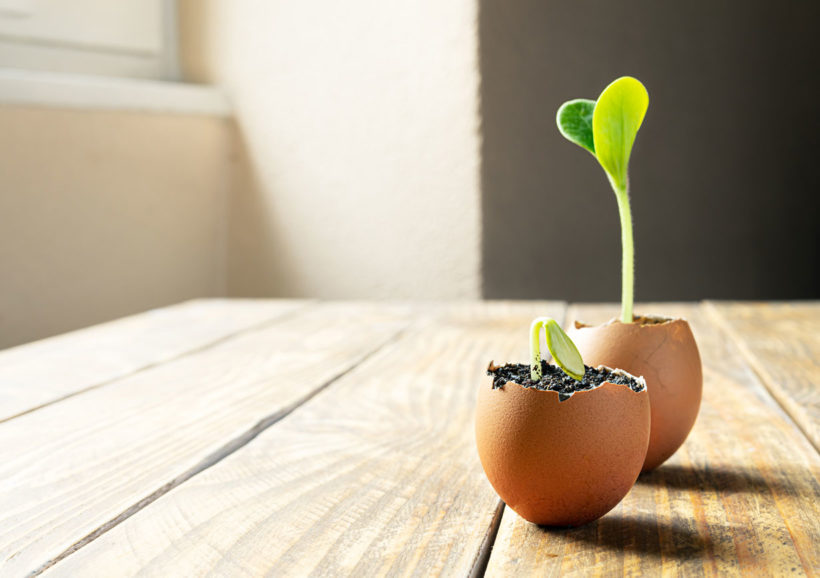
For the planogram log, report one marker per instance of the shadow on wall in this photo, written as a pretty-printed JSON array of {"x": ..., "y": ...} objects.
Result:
[
  {"x": 725, "y": 191},
  {"x": 259, "y": 264}
]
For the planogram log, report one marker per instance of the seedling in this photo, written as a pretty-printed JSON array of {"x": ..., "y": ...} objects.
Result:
[
  {"x": 607, "y": 129},
  {"x": 563, "y": 350}
]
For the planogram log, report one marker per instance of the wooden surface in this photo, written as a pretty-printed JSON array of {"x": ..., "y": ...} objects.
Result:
[
  {"x": 39, "y": 373},
  {"x": 295, "y": 438},
  {"x": 76, "y": 466},
  {"x": 781, "y": 342}
]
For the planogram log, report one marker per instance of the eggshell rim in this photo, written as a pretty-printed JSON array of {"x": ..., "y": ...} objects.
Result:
[
  {"x": 660, "y": 321},
  {"x": 641, "y": 381}
]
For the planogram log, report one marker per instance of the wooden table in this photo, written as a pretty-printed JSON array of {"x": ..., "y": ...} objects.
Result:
[{"x": 243, "y": 437}]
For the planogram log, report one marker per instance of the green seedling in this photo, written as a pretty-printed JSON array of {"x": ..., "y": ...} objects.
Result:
[
  {"x": 563, "y": 350},
  {"x": 607, "y": 129}
]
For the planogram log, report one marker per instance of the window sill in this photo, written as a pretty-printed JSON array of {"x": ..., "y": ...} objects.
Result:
[{"x": 56, "y": 90}]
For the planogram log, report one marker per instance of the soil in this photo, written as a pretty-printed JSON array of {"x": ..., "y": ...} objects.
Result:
[
  {"x": 554, "y": 379},
  {"x": 650, "y": 319}
]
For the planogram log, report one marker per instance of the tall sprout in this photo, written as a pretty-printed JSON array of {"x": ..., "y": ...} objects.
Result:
[{"x": 607, "y": 129}]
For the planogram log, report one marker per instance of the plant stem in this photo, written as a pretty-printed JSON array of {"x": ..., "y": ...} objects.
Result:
[
  {"x": 628, "y": 253},
  {"x": 535, "y": 348}
]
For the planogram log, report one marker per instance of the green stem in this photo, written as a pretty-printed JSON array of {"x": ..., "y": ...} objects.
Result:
[
  {"x": 535, "y": 348},
  {"x": 628, "y": 248}
]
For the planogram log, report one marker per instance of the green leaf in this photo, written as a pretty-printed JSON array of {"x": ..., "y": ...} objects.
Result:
[
  {"x": 575, "y": 122},
  {"x": 616, "y": 119},
  {"x": 563, "y": 350}
]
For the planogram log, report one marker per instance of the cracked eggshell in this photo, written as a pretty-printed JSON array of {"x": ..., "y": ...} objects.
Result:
[
  {"x": 561, "y": 463},
  {"x": 664, "y": 353}
]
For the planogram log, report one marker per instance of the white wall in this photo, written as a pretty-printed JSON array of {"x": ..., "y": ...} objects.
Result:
[
  {"x": 359, "y": 143},
  {"x": 105, "y": 213}
]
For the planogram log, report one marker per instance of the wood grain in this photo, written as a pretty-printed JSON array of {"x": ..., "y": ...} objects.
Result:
[
  {"x": 741, "y": 497},
  {"x": 39, "y": 373},
  {"x": 73, "y": 467},
  {"x": 781, "y": 341},
  {"x": 378, "y": 475}
]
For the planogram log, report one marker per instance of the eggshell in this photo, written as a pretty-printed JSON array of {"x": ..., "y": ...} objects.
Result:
[
  {"x": 562, "y": 463},
  {"x": 666, "y": 356}
]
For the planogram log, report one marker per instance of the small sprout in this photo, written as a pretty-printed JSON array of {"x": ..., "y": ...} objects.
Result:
[
  {"x": 607, "y": 129},
  {"x": 563, "y": 350}
]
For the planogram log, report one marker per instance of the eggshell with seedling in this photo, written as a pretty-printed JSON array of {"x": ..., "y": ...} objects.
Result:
[
  {"x": 665, "y": 353},
  {"x": 562, "y": 463}
]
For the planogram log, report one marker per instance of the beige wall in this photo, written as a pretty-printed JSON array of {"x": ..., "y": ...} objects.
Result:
[
  {"x": 358, "y": 143},
  {"x": 103, "y": 214}
]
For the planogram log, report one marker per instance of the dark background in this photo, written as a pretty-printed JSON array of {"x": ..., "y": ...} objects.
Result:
[{"x": 724, "y": 173}]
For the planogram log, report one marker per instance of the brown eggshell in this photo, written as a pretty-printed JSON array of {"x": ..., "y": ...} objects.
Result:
[
  {"x": 666, "y": 356},
  {"x": 562, "y": 463}
]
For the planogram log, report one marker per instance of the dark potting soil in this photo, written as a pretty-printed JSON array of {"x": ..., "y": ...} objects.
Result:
[
  {"x": 651, "y": 319},
  {"x": 554, "y": 379}
]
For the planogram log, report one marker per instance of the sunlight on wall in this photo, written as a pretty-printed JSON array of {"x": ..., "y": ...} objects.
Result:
[{"x": 359, "y": 152}]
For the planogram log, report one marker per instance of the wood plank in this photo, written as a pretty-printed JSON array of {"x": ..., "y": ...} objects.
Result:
[
  {"x": 39, "y": 373},
  {"x": 73, "y": 468},
  {"x": 377, "y": 475},
  {"x": 781, "y": 341},
  {"x": 741, "y": 497}
]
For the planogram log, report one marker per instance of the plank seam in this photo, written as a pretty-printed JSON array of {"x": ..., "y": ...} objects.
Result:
[
  {"x": 724, "y": 326},
  {"x": 482, "y": 557},
  {"x": 214, "y": 457},
  {"x": 136, "y": 371}
]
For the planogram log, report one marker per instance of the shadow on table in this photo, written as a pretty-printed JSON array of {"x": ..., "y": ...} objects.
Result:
[
  {"x": 645, "y": 536},
  {"x": 719, "y": 479}
]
